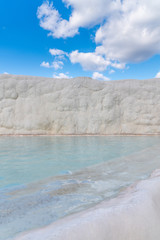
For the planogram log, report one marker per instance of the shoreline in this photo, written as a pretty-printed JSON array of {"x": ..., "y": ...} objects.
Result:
[
  {"x": 81, "y": 135},
  {"x": 133, "y": 214},
  {"x": 139, "y": 165}
]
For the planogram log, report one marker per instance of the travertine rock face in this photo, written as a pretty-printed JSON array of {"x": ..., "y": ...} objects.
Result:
[{"x": 36, "y": 105}]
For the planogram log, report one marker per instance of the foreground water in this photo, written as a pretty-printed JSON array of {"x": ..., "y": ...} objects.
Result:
[{"x": 45, "y": 178}]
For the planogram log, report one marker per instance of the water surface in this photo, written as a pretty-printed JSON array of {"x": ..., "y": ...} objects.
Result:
[{"x": 45, "y": 178}]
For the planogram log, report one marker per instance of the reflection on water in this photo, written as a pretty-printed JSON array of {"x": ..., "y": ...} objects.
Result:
[{"x": 45, "y": 178}]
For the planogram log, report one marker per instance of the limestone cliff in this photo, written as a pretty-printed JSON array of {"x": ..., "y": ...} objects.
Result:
[{"x": 37, "y": 105}]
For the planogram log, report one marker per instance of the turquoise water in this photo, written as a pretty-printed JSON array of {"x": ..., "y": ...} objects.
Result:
[
  {"x": 45, "y": 178},
  {"x": 28, "y": 159}
]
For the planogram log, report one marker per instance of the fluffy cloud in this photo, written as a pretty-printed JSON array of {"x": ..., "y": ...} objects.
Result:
[
  {"x": 56, "y": 65},
  {"x": 133, "y": 33},
  {"x": 157, "y": 75},
  {"x": 45, "y": 64},
  {"x": 60, "y": 75},
  {"x": 129, "y": 31},
  {"x": 94, "y": 61},
  {"x": 85, "y": 13},
  {"x": 51, "y": 20},
  {"x": 90, "y": 12},
  {"x": 57, "y": 52},
  {"x": 99, "y": 76},
  {"x": 89, "y": 61}
]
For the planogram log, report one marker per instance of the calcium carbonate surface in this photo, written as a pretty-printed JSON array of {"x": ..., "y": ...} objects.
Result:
[{"x": 37, "y": 105}]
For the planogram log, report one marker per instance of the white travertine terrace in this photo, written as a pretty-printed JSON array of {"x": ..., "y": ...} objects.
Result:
[
  {"x": 37, "y": 105},
  {"x": 134, "y": 215}
]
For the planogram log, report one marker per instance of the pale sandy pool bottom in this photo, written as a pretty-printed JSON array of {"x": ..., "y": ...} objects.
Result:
[
  {"x": 133, "y": 215},
  {"x": 36, "y": 204}
]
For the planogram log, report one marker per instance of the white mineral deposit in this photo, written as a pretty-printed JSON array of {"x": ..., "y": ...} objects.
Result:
[{"x": 37, "y": 105}]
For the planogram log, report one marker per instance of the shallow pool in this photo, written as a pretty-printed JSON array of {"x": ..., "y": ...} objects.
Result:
[{"x": 45, "y": 178}]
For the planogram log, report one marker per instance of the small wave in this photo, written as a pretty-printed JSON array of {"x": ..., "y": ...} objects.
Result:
[
  {"x": 41, "y": 203},
  {"x": 133, "y": 215}
]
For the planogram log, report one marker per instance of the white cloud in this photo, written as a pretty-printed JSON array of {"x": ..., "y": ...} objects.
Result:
[
  {"x": 51, "y": 20},
  {"x": 57, "y": 52},
  {"x": 118, "y": 65},
  {"x": 60, "y": 75},
  {"x": 45, "y": 64},
  {"x": 90, "y": 12},
  {"x": 129, "y": 30},
  {"x": 59, "y": 55},
  {"x": 111, "y": 71},
  {"x": 130, "y": 34},
  {"x": 56, "y": 65},
  {"x": 5, "y": 73},
  {"x": 89, "y": 61},
  {"x": 99, "y": 76},
  {"x": 133, "y": 33},
  {"x": 94, "y": 61},
  {"x": 157, "y": 75},
  {"x": 85, "y": 13}
]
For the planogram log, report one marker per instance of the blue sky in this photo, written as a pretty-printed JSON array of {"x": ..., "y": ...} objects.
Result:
[{"x": 103, "y": 39}]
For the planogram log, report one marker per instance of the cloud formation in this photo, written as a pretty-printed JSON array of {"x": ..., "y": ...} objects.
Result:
[
  {"x": 60, "y": 76},
  {"x": 94, "y": 61},
  {"x": 85, "y": 13},
  {"x": 45, "y": 64},
  {"x": 133, "y": 33},
  {"x": 128, "y": 31},
  {"x": 56, "y": 65},
  {"x": 57, "y": 52},
  {"x": 157, "y": 75},
  {"x": 89, "y": 61},
  {"x": 99, "y": 76}
]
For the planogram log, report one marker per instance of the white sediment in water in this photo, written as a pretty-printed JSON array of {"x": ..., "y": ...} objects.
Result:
[
  {"x": 37, "y": 105},
  {"x": 37, "y": 203},
  {"x": 133, "y": 215}
]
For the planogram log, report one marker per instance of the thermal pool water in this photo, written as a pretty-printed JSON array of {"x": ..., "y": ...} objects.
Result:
[{"x": 45, "y": 178}]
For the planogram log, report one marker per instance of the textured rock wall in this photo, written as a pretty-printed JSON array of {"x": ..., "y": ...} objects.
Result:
[{"x": 36, "y": 105}]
